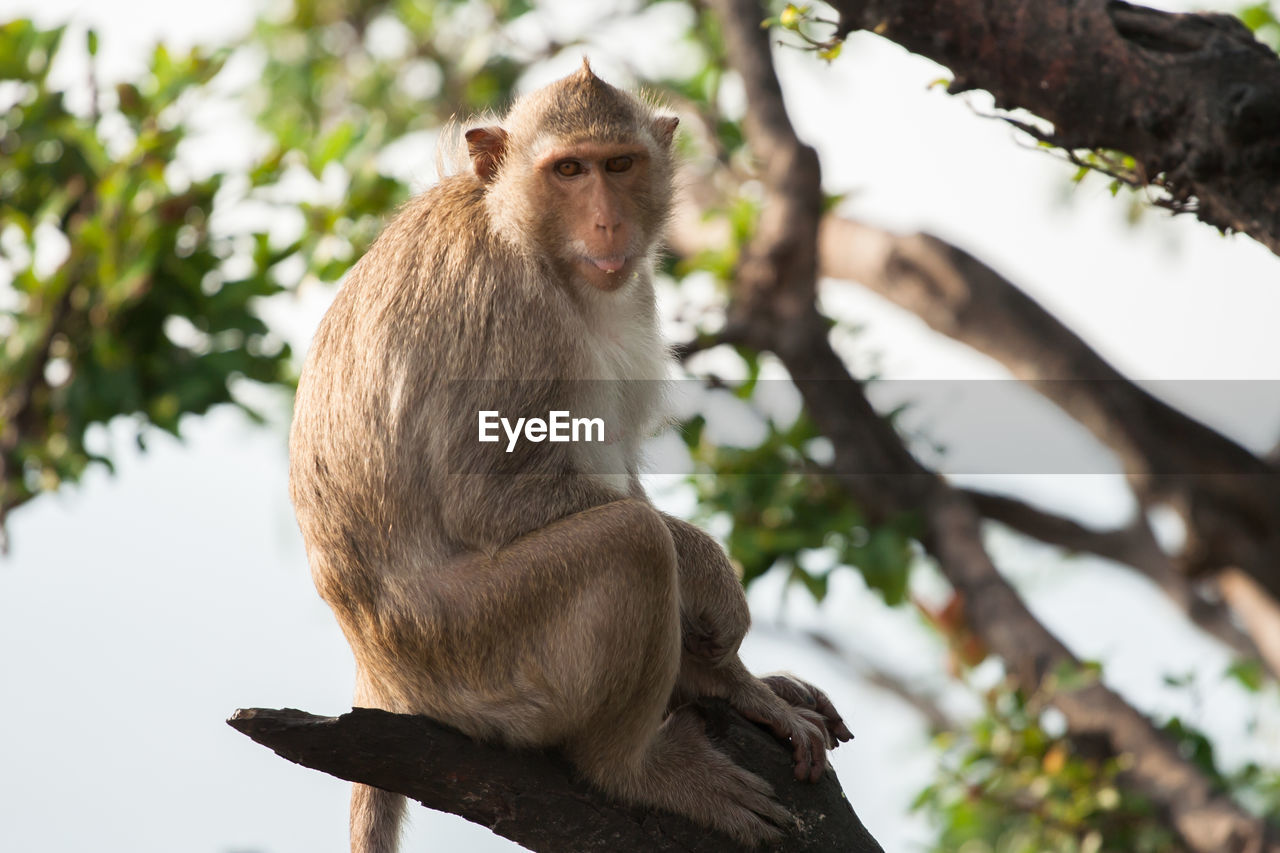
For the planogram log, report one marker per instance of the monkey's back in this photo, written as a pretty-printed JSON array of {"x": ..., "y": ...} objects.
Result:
[{"x": 435, "y": 311}]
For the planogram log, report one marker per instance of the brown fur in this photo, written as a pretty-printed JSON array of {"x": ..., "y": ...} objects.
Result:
[{"x": 532, "y": 597}]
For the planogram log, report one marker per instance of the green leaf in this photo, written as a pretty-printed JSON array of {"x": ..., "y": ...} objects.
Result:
[
  {"x": 1249, "y": 673},
  {"x": 1070, "y": 675},
  {"x": 335, "y": 146}
]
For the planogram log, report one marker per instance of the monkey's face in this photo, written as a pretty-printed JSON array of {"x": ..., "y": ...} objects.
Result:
[{"x": 602, "y": 195}]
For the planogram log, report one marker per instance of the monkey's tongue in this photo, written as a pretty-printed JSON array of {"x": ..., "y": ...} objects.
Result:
[{"x": 609, "y": 264}]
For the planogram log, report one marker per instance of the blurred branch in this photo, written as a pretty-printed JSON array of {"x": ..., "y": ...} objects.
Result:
[
  {"x": 1191, "y": 97},
  {"x": 867, "y": 670},
  {"x": 1256, "y": 610},
  {"x": 963, "y": 298},
  {"x": 1134, "y": 546},
  {"x": 773, "y": 303},
  {"x": 1228, "y": 497}
]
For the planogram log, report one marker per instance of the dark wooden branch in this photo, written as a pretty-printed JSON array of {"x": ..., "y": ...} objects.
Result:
[
  {"x": 532, "y": 797},
  {"x": 773, "y": 289},
  {"x": 1191, "y": 97}
]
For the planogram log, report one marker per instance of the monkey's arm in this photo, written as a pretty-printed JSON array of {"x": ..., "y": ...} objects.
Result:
[
  {"x": 714, "y": 619},
  {"x": 713, "y": 609}
]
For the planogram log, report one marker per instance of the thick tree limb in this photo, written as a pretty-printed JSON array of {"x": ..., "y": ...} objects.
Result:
[
  {"x": 1191, "y": 97},
  {"x": 532, "y": 797},
  {"x": 773, "y": 294}
]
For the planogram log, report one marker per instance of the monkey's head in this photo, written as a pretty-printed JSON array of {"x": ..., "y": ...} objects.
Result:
[{"x": 580, "y": 173}]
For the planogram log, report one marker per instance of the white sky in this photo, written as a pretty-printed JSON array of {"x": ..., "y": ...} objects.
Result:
[{"x": 137, "y": 611}]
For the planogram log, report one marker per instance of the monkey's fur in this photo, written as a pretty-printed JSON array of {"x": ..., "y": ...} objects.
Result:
[{"x": 533, "y": 598}]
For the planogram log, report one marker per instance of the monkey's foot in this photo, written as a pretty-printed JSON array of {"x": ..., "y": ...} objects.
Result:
[{"x": 715, "y": 791}]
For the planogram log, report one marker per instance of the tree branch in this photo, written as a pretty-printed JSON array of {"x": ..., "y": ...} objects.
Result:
[
  {"x": 1191, "y": 97},
  {"x": 961, "y": 297},
  {"x": 1134, "y": 546},
  {"x": 532, "y": 797},
  {"x": 1229, "y": 498}
]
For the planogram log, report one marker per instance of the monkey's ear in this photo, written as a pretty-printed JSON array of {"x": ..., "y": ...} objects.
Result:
[
  {"x": 664, "y": 128},
  {"x": 486, "y": 145}
]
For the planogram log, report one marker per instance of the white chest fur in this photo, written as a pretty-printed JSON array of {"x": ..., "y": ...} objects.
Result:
[{"x": 626, "y": 376}]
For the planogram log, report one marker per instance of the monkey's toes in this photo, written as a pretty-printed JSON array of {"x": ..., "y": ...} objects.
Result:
[
  {"x": 754, "y": 816},
  {"x": 831, "y": 719}
]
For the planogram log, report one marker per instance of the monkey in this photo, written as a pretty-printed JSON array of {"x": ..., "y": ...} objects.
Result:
[{"x": 529, "y": 594}]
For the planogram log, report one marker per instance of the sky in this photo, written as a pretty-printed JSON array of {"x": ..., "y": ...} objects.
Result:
[{"x": 138, "y": 610}]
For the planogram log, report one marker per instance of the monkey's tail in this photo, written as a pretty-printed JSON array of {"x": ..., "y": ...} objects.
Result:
[{"x": 375, "y": 820}]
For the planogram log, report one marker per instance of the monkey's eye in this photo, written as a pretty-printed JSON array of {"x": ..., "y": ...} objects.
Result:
[
  {"x": 618, "y": 164},
  {"x": 568, "y": 168}
]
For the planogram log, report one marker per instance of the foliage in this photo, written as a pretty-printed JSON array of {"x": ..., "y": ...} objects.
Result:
[
  {"x": 785, "y": 508},
  {"x": 1261, "y": 18},
  {"x": 1013, "y": 782},
  {"x": 1009, "y": 785},
  {"x": 121, "y": 298},
  {"x": 343, "y": 81},
  {"x": 802, "y": 22}
]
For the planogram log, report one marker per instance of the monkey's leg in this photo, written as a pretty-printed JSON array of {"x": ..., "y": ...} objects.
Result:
[
  {"x": 678, "y": 769},
  {"x": 570, "y": 635}
]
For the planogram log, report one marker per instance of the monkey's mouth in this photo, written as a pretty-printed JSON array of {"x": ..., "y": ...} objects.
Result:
[{"x": 608, "y": 265}]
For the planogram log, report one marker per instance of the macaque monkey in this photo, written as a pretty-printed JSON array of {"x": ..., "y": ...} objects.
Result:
[{"x": 530, "y": 595}]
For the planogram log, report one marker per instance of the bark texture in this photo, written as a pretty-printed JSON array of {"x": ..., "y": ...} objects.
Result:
[{"x": 1192, "y": 97}]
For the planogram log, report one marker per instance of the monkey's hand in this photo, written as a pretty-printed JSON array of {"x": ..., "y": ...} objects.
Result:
[
  {"x": 798, "y": 713},
  {"x": 802, "y": 694}
]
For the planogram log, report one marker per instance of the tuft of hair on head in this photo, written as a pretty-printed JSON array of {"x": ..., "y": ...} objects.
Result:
[{"x": 580, "y": 105}]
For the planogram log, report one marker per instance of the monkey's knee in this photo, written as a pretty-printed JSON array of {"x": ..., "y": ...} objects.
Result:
[
  {"x": 636, "y": 579},
  {"x": 623, "y": 629},
  {"x": 633, "y": 534}
]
